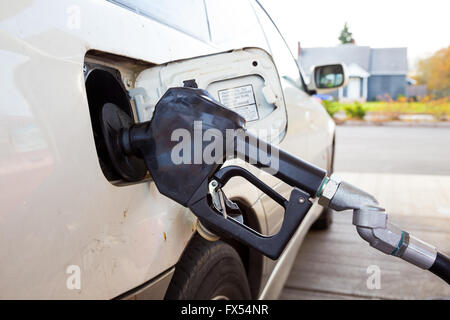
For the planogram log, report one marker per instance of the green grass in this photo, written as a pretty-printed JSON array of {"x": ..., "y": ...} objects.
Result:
[
  {"x": 407, "y": 107},
  {"x": 434, "y": 107}
]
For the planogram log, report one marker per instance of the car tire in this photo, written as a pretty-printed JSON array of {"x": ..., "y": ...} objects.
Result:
[{"x": 209, "y": 270}]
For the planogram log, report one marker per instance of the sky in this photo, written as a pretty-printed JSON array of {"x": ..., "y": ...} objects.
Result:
[{"x": 423, "y": 26}]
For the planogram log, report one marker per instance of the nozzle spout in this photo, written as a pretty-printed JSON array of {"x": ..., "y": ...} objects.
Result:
[{"x": 372, "y": 224}]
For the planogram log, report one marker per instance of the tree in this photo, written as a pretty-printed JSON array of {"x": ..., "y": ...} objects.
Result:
[
  {"x": 434, "y": 72},
  {"x": 346, "y": 35}
]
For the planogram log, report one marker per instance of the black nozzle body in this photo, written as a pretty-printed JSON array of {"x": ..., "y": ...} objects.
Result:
[{"x": 185, "y": 123}]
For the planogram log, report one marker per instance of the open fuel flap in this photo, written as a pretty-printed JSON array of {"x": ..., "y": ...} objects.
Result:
[{"x": 245, "y": 81}]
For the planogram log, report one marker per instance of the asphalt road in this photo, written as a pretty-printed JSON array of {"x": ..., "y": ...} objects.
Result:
[{"x": 409, "y": 150}]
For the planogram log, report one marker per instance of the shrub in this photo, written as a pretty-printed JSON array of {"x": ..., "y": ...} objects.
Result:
[
  {"x": 331, "y": 107},
  {"x": 355, "y": 111},
  {"x": 402, "y": 98}
]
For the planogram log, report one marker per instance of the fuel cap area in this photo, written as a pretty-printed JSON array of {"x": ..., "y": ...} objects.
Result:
[{"x": 113, "y": 121}]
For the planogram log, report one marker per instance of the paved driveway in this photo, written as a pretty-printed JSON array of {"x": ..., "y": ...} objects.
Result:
[
  {"x": 408, "y": 170},
  {"x": 411, "y": 150}
]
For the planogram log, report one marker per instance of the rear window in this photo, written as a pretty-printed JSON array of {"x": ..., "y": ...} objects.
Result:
[
  {"x": 188, "y": 16},
  {"x": 234, "y": 22}
]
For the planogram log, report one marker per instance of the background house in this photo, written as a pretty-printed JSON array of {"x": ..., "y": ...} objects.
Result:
[{"x": 372, "y": 72}]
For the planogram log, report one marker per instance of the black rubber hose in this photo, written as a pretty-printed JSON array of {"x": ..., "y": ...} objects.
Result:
[{"x": 441, "y": 267}]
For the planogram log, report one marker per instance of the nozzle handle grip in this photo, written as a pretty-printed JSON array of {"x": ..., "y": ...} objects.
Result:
[{"x": 271, "y": 246}]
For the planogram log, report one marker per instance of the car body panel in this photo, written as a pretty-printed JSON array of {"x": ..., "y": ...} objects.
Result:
[{"x": 58, "y": 210}]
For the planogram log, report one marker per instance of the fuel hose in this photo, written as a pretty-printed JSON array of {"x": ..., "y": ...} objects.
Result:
[{"x": 441, "y": 267}]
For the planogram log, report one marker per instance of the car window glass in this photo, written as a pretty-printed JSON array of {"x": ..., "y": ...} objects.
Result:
[
  {"x": 188, "y": 16},
  {"x": 284, "y": 60},
  {"x": 233, "y": 24}
]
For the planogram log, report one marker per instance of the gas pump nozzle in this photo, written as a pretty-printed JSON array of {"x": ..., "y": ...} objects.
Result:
[{"x": 193, "y": 181}]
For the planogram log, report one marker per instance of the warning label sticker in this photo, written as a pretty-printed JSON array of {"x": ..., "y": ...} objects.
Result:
[{"x": 240, "y": 100}]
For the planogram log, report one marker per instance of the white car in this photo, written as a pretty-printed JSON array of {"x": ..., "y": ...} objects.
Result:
[{"x": 69, "y": 227}]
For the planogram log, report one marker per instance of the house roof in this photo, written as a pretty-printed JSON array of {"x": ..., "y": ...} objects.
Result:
[
  {"x": 386, "y": 61},
  {"x": 347, "y": 53},
  {"x": 354, "y": 70}
]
